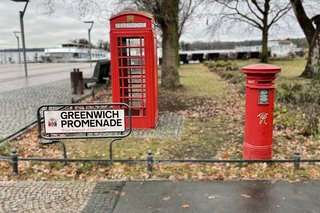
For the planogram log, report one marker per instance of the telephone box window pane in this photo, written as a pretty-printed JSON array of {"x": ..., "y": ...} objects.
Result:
[
  {"x": 135, "y": 61},
  {"x": 263, "y": 96},
  {"x": 136, "y": 52},
  {"x": 132, "y": 42},
  {"x": 136, "y": 71}
]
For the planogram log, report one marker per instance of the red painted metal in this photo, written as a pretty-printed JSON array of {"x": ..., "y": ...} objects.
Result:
[
  {"x": 259, "y": 110},
  {"x": 134, "y": 68}
]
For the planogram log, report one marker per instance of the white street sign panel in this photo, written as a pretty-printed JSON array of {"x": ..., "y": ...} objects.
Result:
[{"x": 84, "y": 121}]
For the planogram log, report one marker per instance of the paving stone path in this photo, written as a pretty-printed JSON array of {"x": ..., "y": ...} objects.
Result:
[
  {"x": 20, "y": 97},
  {"x": 18, "y": 107},
  {"x": 170, "y": 126},
  {"x": 58, "y": 196}
]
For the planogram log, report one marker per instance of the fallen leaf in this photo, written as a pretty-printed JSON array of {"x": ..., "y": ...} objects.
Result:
[
  {"x": 211, "y": 197},
  {"x": 166, "y": 198},
  {"x": 185, "y": 206},
  {"x": 245, "y": 196}
]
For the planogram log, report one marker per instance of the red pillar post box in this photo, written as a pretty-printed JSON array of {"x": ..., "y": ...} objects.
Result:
[
  {"x": 259, "y": 110},
  {"x": 134, "y": 68}
]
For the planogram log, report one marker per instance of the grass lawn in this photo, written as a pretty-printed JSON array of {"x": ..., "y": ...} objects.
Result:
[
  {"x": 213, "y": 121},
  {"x": 289, "y": 68}
]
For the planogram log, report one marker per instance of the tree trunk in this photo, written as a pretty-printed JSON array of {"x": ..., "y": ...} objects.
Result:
[
  {"x": 312, "y": 35},
  {"x": 265, "y": 33},
  {"x": 265, "y": 52},
  {"x": 170, "y": 44},
  {"x": 312, "y": 69}
]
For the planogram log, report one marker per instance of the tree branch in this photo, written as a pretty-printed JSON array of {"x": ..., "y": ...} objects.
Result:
[
  {"x": 252, "y": 11},
  {"x": 240, "y": 14},
  {"x": 280, "y": 14},
  {"x": 304, "y": 21}
]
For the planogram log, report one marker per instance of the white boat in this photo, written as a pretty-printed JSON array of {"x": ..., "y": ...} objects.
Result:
[{"x": 72, "y": 52}]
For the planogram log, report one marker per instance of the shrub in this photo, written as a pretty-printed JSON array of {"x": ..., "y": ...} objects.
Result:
[
  {"x": 289, "y": 93},
  {"x": 222, "y": 65}
]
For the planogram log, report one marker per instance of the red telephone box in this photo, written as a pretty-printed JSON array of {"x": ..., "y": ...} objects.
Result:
[
  {"x": 259, "y": 110},
  {"x": 134, "y": 68}
]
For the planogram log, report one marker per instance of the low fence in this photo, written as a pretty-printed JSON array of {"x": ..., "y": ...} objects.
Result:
[{"x": 14, "y": 159}]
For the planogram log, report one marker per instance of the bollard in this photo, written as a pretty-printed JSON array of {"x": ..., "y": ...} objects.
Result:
[
  {"x": 76, "y": 82},
  {"x": 93, "y": 93},
  {"x": 150, "y": 161},
  {"x": 296, "y": 158},
  {"x": 14, "y": 160}
]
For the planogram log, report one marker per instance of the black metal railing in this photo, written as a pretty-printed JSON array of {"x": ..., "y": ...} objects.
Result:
[{"x": 14, "y": 159}]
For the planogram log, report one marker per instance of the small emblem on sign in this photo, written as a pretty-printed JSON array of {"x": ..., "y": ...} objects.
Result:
[
  {"x": 52, "y": 122},
  {"x": 130, "y": 18},
  {"x": 263, "y": 116}
]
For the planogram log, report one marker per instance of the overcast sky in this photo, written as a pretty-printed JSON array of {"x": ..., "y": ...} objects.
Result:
[{"x": 43, "y": 30}]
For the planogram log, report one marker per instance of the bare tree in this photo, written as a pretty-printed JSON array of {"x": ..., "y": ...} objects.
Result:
[
  {"x": 171, "y": 17},
  {"x": 259, "y": 14},
  {"x": 311, "y": 29},
  {"x": 82, "y": 7},
  {"x": 187, "y": 10}
]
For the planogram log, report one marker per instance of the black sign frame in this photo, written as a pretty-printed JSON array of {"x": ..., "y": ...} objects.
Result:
[{"x": 88, "y": 135}]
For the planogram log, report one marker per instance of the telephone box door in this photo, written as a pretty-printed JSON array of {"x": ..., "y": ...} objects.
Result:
[{"x": 132, "y": 73}]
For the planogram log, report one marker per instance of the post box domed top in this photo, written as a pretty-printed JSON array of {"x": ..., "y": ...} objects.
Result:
[{"x": 261, "y": 69}]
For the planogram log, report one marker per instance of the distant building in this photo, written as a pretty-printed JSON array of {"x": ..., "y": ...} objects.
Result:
[
  {"x": 283, "y": 48},
  {"x": 8, "y": 56},
  {"x": 277, "y": 49}
]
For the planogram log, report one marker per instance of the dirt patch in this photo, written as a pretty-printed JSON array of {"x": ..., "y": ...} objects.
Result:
[{"x": 174, "y": 100}]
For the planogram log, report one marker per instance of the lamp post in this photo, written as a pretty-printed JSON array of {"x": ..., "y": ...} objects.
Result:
[
  {"x": 89, "y": 32},
  {"x": 21, "y": 14},
  {"x": 15, "y": 33}
]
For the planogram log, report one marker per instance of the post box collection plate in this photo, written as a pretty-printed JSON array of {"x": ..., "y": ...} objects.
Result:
[{"x": 263, "y": 96}]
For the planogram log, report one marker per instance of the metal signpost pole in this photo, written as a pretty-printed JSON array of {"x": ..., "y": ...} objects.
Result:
[
  {"x": 15, "y": 33},
  {"x": 89, "y": 37},
  {"x": 89, "y": 31},
  {"x": 21, "y": 14}
]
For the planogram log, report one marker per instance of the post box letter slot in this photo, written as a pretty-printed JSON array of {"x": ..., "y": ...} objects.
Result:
[
  {"x": 263, "y": 96},
  {"x": 264, "y": 82}
]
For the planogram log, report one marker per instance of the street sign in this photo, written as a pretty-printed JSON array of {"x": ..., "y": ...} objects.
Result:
[
  {"x": 75, "y": 121},
  {"x": 82, "y": 121}
]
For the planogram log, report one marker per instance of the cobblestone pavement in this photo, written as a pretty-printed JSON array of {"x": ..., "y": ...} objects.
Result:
[
  {"x": 21, "y": 97},
  {"x": 59, "y": 196},
  {"x": 18, "y": 108},
  {"x": 170, "y": 126}
]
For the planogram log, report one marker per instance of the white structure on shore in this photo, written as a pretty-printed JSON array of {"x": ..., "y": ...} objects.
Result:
[
  {"x": 65, "y": 53},
  {"x": 277, "y": 48},
  {"x": 11, "y": 56},
  {"x": 74, "y": 53}
]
